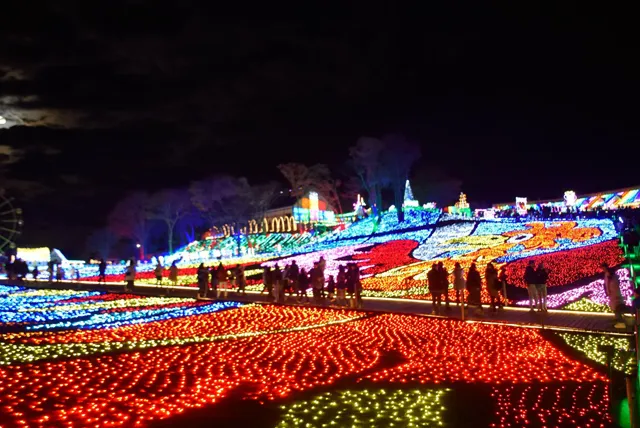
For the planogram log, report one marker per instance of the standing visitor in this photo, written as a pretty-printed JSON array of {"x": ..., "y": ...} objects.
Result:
[
  {"x": 294, "y": 273},
  {"x": 35, "y": 272},
  {"x": 435, "y": 283},
  {"x": 130, "y": 276},
  {"x": 158, "y": 272},
  {"x": 232, "y": 277},
  {"x": 203, "y": 280},
  {"x": 317, "y": 282},
  {"x": 222, "y": 279},
  {"x": 59, "y": 273},
  {"x": 491, "y": 278},
  {"x": 214, "y": 282},
  {"x": 612, "y": 290},
  {"x": 277, "y": 285},
  {"x": 267, "y": 281},
  {"x": 351, "y": 284},
  {"x": 173, "y": 274},
  {"x": 236, "y": 276},
  {"x": 241, "y": 280},
  {"x": 49, "y": 271},
  {"x": 322, "y": 265},
  {"x": 474, "y": 286},
  {"x": 459, "y": 282},
  {"x": 530, "y": 280},
  {"x": 502, "y": 277},
  {"x": 542, "y": 275},
  {"x": 102, "y": 270},
  {"x": 444, "y": 282},
  {"x": 331, "y": 288},
  {"x": 285, "y": 279},
  {"x": 341, "y": 286},
  {"x": 358, "y": 284},
  {"x": 303, "y": 285}
]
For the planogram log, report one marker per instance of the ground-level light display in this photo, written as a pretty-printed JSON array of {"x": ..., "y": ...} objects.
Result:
[
  {"x": 72, "y": 358},
  {"x": 394, "y": 258}
]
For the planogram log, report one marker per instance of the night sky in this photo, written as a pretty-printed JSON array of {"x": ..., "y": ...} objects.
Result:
[{"x": 102, "y": 100}]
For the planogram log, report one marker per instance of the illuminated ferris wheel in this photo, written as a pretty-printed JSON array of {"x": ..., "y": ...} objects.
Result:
[{"x": 10, "y": 223}]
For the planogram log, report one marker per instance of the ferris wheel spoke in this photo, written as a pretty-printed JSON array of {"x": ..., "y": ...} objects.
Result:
[
  {"x": 5, "y": 202},
  {"x": 10, "y": 222}
]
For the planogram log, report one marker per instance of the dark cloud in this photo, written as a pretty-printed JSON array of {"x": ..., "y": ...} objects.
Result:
[{"x": 100, "y": 98}]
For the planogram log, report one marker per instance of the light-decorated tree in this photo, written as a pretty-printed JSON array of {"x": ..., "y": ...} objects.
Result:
[{"x": 408, "y": 193}]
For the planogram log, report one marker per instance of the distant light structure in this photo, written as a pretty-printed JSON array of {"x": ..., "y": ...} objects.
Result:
[
  {"x": 521, "y": 206},
  {"x": 314, "y": 206},
  {"x": 462, "y": 202},
  {"x": 570, "y": 198},
  {"x": 2, "y": 120},
  {"x": 409, "y": 201}
]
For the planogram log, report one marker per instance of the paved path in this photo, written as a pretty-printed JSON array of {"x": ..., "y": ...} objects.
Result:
[{"x": 552, "y": 320}]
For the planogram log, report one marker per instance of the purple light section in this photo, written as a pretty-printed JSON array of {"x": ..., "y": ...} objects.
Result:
[
  {"x": 593, "y": 291},
  {"x": 331, "y": 257}
]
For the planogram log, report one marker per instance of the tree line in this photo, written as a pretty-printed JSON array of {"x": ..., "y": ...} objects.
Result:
[{"x": 375, "y": 167}]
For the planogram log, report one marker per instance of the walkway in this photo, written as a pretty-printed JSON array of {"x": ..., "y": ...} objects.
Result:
[{"x": 552, "y": 320}]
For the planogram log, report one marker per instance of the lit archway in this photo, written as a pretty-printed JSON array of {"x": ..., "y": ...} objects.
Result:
[{"x": 290, "y": 223}]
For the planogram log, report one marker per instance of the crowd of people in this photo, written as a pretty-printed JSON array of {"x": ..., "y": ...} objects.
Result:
[
  {"x": 438, "y": 283},
  {"x": 345, "y": 289},
  {"x": 341, "y": 290},
  {"x": 214, "y": 281},
  {"x": 19, "y": 269},
  {"x": 536, "y": 280}
]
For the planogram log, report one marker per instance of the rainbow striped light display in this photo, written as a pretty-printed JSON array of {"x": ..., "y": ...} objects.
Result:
[{"x": 355, "y": 368}]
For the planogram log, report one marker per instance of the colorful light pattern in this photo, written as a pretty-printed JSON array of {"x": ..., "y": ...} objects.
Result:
[
  {"x": 594, "y": 292},
  {"x": 614, "y": 200},
  {"x": 47, "y": 309},
  {"x": 570, "y": 266},
  {"x": 394, "y": 258},
  {"x": 414, "y": 217},
  {"x": 377, "y": 408},
  {"x": 589, "y": 345},
  {"x": 571, "y": 405},
  {"x": 118, "y": 374}
]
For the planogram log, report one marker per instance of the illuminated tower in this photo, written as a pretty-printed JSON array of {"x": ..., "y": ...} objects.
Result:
[
  {"x": 462, "y": 203},
  {"x": 408, "y": 196},
  {"x": 314, "y": 206}
]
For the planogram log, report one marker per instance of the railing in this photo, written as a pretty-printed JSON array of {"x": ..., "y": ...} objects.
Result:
[{"x": 632, "y": 255}]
